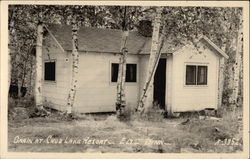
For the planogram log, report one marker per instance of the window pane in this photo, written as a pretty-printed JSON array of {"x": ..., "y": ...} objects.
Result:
[
  {"x": 190, "y": 75},
  {"x": 202, "y": 75},
  {"x": 114, "y": 72},
  {"x": 50, "y": 71},
  {"x": 131, "y": 73}
]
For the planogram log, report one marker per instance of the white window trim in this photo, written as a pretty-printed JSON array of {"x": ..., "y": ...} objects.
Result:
[{"x": 195, "y": 64}]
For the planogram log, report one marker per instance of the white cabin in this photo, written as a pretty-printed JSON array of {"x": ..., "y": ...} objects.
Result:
[{"x": 186, "y": 79}]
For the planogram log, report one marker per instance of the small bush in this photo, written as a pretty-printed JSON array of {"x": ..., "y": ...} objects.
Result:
[
  {"x": 154, "y": 113},
  {"x": 20, "y": 108},
  {"x": 128, "y": 114}
]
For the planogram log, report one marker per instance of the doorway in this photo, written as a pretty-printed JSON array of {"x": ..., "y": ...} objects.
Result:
[{"x": 160, "y": 84}]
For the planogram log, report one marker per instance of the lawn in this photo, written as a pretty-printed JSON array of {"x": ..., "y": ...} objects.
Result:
[{"x": 105, "y": 133}]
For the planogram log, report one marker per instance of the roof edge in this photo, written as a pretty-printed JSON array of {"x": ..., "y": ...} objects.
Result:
[
  {"x": 110, "y": 52},
  {"x": 215, "y": 46},
  {"x": 54, "y": 38}
]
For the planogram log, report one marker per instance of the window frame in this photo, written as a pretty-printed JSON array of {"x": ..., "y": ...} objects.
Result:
[
  {"x": 49, "y": 81},
  {"x": 110, "y": 75},
  {"x": 196, "y": 74}
]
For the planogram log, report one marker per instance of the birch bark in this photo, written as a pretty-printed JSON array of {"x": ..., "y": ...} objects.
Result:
[
  {"x": 75, "y": 63},
  {"x": 237, "y": 63},
  {"x": 146, "y": 97},
  {"x": 121, "y": 99},
  {"x": 38, "y": 81}
]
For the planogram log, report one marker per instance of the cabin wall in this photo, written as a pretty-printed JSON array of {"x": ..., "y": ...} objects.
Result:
[
  {"x": 169, "y": 79},
  {"x": 194, "y": 97},
  {"x": 144, "y": 60},
  {"x": 95, "y": 92},
  {"x": 55, "y": 93}
]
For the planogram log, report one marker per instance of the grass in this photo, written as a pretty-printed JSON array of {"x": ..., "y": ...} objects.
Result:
[{"x": 129, "y": 135}]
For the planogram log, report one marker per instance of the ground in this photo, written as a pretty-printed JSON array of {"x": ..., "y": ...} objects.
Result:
[{"x": 105, "y": 133}]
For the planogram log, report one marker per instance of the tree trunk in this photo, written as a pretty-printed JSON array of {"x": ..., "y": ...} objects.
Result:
[
  {"x": 19, "y": 86},
  {"x": 24, "y": 71},
  {"x": 147, "y": 93},
  {"x": 75, "y": 62},
  {"x": 38, "y": 81},
  {"x": 235, "y": 49},
  {"x": 237, "y": 63},
  {"x": 31, "y": 75},
  {"x": 11, "y": 13},
  {"x": 121, "y": 100}
]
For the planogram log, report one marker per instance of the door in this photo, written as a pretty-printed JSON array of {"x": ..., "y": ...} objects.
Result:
[{"x": 160, "y": 84}]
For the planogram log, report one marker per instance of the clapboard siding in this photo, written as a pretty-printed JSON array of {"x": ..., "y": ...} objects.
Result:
[
  {"x": 55, "y": 92},
  {"x": 188, "y": 98},
  {"x": 169, "y": 76},
  {"x": 143, "y": 71},
  {"x": 95, "y": 91}
]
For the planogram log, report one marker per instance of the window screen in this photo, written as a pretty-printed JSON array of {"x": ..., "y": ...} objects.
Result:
[{"x": 50, "y": 71}]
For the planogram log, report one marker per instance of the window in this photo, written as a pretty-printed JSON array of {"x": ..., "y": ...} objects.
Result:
[
  {"x": 190, "y": 75},
  {"x": 130, "y": 72},
  {"x": 114, "y": 72},
  {"x": 50, "y": 71},
  {"x": 202, "y": 75},
  {"x": 196, "y": 75}
]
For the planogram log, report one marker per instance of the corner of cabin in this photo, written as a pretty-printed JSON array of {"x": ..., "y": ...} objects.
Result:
[
  {"x": 195, "y": 78},
  {"x": 56, "y": 74}
]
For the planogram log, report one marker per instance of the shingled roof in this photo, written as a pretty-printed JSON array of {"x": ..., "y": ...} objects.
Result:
[{"x": 104, "y": 40}]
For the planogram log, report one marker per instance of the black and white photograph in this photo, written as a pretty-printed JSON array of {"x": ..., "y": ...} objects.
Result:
[{"x": 101, "y": 78}]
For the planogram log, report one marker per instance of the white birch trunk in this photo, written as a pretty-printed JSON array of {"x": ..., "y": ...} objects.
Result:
[
  {"x": 75, "y": 63},
  {"x": 38, "y": 81},
  {"x": 121, "y": 98},
  {"x": 237, "y": 64},
  {"x": 147, "y": 94}
]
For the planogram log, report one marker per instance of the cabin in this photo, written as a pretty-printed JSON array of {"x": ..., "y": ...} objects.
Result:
[{"x": 186, "y": 79}]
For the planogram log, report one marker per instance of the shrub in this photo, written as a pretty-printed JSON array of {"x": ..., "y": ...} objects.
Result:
[
  {"x": 154, "y": 113},
  {"x": 128, "y": 114}
]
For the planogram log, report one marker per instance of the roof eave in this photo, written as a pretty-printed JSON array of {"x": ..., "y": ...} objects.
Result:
[
  {"x": 54, "y": 38},
  {"x": 216, "y": 47},
  {"x": 111, "y": 52}
]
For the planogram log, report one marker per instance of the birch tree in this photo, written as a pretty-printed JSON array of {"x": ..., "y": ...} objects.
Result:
[
  {"x": 38, "y": 81},
  {"x": 238, "y": 59},
  {"x": 75, "y": 63},
  {"x": 121, "y": 99},
  {"x": 146, "y": 97}
]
